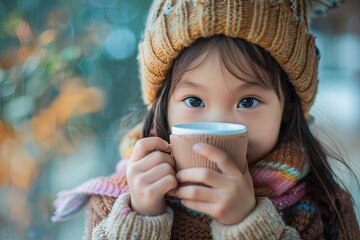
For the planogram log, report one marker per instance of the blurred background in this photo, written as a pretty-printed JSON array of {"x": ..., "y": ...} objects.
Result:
[{"x": 68, "y": 74}]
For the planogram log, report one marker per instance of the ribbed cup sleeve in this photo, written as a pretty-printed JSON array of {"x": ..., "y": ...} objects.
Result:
[{"x": 185, "y": 157}]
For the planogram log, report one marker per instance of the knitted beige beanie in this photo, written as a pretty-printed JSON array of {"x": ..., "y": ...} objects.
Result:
[{"x": 279, "y": 26}]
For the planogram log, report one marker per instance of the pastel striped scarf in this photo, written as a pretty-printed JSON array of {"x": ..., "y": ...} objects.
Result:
[{"x": 278, "y": 176}]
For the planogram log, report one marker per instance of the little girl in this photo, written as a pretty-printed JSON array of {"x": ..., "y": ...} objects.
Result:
[{"x": 248, "y": 62}]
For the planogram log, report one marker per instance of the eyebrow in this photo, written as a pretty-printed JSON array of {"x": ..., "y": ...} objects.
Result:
[
  {"x": 246, "y": 85},
  {"x": 189, "y": 84}
]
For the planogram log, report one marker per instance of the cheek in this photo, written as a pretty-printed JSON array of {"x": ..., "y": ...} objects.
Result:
[
  {"x": 170, "y": 114},
  {"x": 176, "y": 114},
  {"x": 262, "y": 137}
]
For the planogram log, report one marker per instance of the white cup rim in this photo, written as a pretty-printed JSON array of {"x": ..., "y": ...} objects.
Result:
[{"x": 210, "y": 128}]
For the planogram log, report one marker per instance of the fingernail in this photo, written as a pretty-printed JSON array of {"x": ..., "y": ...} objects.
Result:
[
  {"x": 197, "y": 147},
  {"x": 168, "y": 148}
]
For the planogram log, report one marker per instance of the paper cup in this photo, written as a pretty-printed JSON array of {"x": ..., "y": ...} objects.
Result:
[{"x": 231, "y": 137}]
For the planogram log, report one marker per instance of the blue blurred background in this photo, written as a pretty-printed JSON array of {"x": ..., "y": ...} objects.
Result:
[{"x": 68, "y": 74}]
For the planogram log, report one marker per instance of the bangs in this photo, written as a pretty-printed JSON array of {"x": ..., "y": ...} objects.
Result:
[{"x": 237, "y": 55}]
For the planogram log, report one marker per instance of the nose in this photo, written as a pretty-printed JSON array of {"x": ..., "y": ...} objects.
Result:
[{"x": 221, "y": 114}]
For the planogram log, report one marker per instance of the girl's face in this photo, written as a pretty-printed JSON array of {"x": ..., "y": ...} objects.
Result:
[{"x": 209, "y": 92}]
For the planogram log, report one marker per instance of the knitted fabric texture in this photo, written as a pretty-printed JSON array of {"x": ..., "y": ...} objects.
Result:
[
  {"x": 183, "y": 221},
  {"x": 288, "y": 195},
  {"x": 99, "y": 207},
  {"x": 284, "y": 166},
  {"x": 279, "y": 26},
  {"x": 278, "y": 176}
]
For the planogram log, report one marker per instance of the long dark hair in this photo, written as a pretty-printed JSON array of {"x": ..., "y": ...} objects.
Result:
[{"x": 321, "y": 180}]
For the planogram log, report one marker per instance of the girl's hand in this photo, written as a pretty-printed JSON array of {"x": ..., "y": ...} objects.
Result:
[
  {"x": 150, "y": 175},
  {"x": 228, "y": 196}
]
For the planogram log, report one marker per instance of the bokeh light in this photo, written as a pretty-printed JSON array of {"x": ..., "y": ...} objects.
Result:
[{"x": 120, "y": 44}]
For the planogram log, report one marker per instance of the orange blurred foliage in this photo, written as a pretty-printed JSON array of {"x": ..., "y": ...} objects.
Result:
[
  {"x": 15, "y": 57},
  {"x": 47, "y": 37},
  {"x": 23, "y": 32},
  {"x": 17, "y": 167},
  {"x": 73, "y": 100},
  {"x": 5, "y": 131}
]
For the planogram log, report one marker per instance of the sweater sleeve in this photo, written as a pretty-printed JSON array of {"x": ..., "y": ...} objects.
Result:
[
  {"x": 123, "y": 223},
  {"x": 98, "y": 208},
  {"x": 263, "y": 223}
]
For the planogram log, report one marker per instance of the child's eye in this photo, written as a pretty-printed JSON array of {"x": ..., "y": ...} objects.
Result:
[
  {"x": 194, "y": 102},
  {"x": 248, "y": 103}
]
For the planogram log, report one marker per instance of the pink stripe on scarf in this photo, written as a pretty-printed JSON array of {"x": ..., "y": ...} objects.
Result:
[
  {"x": 264, "y": 180},
  {"x": 290, "y": 197}
]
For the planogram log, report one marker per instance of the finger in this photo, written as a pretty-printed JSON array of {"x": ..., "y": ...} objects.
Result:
[
  {"x": 218, "y": 156},
  {"x": 163, "y": 185},
  {"x": 245, "y": 168},
  {"x": 147, "y": 145},
  {"x": 153, "y": 159},
  {"x": 201, "y": 176},
  {"x": 247, "y": 176},
  {"x": 196, "y": 193},
  {"x": 157, "y": 172},
  {"x": 199, "y": 206}
]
